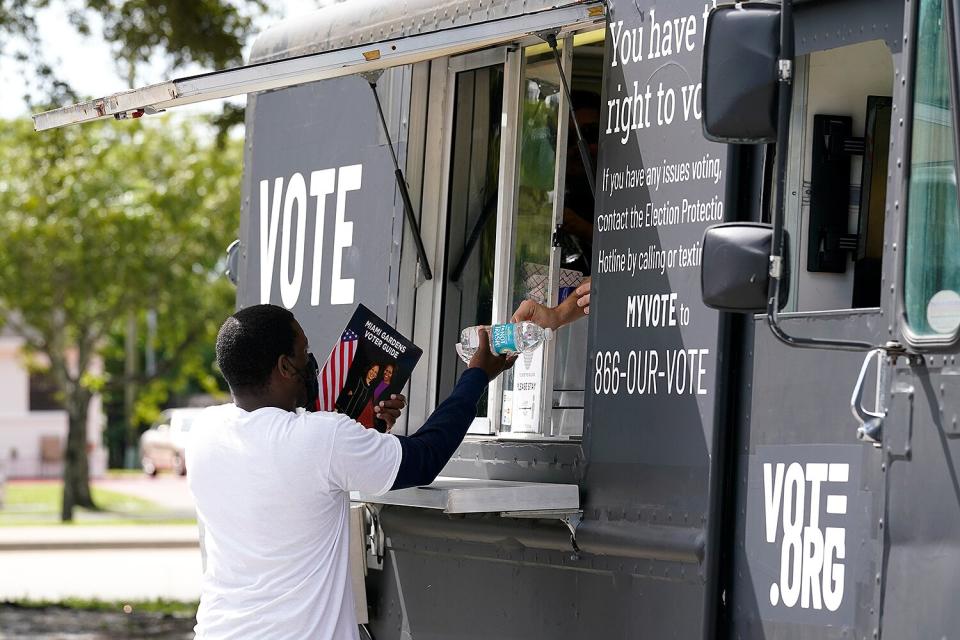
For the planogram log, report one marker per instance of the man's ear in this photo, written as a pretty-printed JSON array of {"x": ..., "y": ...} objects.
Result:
[{"x": 286, "y": 367}]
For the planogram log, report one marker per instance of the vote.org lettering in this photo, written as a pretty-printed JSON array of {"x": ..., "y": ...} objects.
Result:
[{"x": 811, "y": 558}]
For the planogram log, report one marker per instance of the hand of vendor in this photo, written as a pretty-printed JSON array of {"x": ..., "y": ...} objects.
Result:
[
  {"x": 389, "y": 410},
  {"x": 582, "y": 294},
  {"x": 575, "y": 306}
]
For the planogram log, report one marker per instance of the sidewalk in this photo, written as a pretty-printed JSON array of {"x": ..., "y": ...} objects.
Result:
[
  {"x": 66, "y": 537},
  {"x": 130, "y": 562},
  {"x": 104, "y": 561}
]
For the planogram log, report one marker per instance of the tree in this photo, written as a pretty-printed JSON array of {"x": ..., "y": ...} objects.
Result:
[
  {"x": 209, "y": 33},
  {"x": 105, "y": 220}
]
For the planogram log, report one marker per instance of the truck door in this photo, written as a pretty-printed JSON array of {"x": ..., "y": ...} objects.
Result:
[
  {"x": 804, "y": 535},
  {"x": 919, "y": 572}
]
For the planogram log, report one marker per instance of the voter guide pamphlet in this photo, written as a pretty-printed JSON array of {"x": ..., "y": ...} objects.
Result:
[{"x": 369, "y": 362}]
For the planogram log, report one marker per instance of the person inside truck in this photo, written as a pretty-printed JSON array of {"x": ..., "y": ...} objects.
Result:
[
  {"x": 576, "y": 237},
  {"x": 272, "y": 484}
]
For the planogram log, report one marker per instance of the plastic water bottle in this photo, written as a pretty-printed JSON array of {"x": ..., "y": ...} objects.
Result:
[{"x": 505, "y": 339}]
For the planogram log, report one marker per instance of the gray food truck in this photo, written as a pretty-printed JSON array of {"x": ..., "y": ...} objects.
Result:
[{"x": 754, "y": 434}]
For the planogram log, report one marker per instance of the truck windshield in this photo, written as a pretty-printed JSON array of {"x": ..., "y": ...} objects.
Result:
[{"x": 932, "y": 268}]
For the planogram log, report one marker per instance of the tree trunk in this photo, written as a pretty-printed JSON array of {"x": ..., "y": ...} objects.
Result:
[{"x": 76, "y": 471}]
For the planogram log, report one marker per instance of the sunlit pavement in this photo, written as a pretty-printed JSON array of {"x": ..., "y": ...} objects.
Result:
[
  {"x": 107, "y": 574},
  {"x": 129, "y": 562},
  {"x": 108, "y": 563}
]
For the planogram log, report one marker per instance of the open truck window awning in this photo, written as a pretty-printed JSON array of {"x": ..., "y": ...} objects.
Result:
[{"x": 463, "y": 31}]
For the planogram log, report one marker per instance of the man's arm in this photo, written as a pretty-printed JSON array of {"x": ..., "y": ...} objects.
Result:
[{"x": 426, "y": 452}]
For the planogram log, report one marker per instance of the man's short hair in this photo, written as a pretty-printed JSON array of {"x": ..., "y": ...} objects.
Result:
[{"x": 250, "y": 342}]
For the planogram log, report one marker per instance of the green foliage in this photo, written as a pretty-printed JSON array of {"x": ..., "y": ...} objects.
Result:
[
  {"x": 211, "y": 33},
  {"x": 112, "y": 219},
  {"x": 109, "y": 218}
]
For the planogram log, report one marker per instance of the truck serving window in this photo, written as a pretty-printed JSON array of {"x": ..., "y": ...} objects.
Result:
[
  {"x": 519, "y": 222},
  {"x": 932, "y": 260}
]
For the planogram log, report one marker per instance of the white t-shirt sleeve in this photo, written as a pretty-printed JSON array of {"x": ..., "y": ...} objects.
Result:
[{"x": 362, "y": 459}]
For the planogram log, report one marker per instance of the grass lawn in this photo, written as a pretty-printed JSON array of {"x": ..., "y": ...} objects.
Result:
[
  {"x": 124, "y": 473},
  {"x": 38, "y": 503}
]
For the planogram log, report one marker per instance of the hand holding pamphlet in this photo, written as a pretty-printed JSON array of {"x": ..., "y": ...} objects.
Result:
[{"x": 370, "y": 361}]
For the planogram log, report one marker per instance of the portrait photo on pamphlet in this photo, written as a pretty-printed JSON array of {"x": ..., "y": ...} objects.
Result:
[{"x": 370, "y": 361}]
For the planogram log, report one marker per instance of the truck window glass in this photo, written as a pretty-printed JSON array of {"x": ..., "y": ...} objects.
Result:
[
  {"x": 576, "y": 232},
  {"x": 472, "y": 207},
  {"x": 932, "y": 259},
  {"x": 536, "y": 190},
  {"x": 551, "y": 208},
  {"x": 541, "y": 189}
]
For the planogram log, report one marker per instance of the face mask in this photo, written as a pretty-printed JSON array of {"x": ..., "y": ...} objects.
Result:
[{"x": 311, "y": 382}]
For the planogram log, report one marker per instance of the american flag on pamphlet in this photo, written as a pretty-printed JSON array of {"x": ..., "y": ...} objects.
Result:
[
  {"x": 334, "y": 374},
  {"x": 368, "y": 364}
]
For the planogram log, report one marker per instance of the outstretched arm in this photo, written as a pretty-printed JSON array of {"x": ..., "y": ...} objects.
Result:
[{"x": 426, "y": 452}]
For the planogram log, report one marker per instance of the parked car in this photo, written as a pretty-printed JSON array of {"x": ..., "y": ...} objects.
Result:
[{"x": 161, "y": 446}]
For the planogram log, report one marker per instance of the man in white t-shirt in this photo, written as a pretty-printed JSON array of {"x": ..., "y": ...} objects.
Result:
[{"x": 272, "y": 484}]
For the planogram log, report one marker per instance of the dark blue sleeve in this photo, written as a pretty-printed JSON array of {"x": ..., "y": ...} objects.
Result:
[{"x": 426, "y": 452}]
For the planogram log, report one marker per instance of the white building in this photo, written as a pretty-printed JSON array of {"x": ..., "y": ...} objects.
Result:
[{"x": 32, "y": 440}]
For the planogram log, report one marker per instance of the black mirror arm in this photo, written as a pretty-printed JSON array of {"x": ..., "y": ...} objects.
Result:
[{"x": 785, "y": 100}]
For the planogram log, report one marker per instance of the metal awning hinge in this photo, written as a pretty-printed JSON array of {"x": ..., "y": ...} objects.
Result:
[
  {"x": 571, "y": 519},
  {"x": 373, "y": 537}
]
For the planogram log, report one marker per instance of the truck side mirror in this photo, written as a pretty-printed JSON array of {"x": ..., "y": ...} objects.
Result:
[
  {"x": 233, "y": 262},
  {"x": 740, "y": 67},
  {"x": 735, "y": 271}
]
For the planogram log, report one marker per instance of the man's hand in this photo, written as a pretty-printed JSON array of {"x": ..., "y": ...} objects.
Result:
[
  {"x": 389, "y": 410},
  {"x": 484, "y": 359}
]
